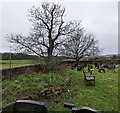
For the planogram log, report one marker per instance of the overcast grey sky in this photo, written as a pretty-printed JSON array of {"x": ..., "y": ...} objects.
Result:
[{"x": 100, "y": 18}]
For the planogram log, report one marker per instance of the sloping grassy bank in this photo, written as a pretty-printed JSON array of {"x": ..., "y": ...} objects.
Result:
[
  {"x": 25, "y": 85},
  {"x": 103, "y": 97}
]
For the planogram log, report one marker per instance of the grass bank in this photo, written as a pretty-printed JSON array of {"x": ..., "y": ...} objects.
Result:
[
  {"x": 25, "y": 85},
  {"x": 103, "y": 97}
]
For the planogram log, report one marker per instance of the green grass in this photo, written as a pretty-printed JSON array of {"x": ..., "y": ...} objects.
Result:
[
  {"x": 14, "y": 63},
  {"x": 104, "y": 96},
  {"x": 28, "y": 84}
]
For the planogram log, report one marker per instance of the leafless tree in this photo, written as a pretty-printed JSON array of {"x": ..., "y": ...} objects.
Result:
[
  {"x": 48, "y": 30},
  {"x": 79, "y": 44}
]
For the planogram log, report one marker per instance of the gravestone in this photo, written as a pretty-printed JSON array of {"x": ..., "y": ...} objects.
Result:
[{"x": 29, "y": 106}]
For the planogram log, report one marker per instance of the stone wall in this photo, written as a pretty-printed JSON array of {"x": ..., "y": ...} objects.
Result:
[
  {"x": 48, "y": 93},
  {"x": 93, "y": 61},
  {"x": 30, "y": 69}
]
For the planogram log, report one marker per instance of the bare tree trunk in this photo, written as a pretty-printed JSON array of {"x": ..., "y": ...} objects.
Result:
[
  {"x": 50, "y": 51},
  {"x": 77, "y": 62}
]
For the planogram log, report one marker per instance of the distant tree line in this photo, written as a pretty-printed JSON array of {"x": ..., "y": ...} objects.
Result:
[{"x": 17, "y": 56}]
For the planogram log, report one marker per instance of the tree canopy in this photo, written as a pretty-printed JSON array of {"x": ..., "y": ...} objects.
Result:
[
  {"x": 48, "y": 30},
  {"x": 50, "y": 33},
  {"x": 80, "y": 44}
]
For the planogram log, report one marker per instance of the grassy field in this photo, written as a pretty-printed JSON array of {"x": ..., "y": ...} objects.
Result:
[
  {"x": 103, "y": 97},
  {"x": 14, "y": 63}
]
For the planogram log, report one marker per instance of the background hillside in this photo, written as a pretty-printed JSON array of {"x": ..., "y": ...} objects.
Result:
[{"x": 17, "y": 56}]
